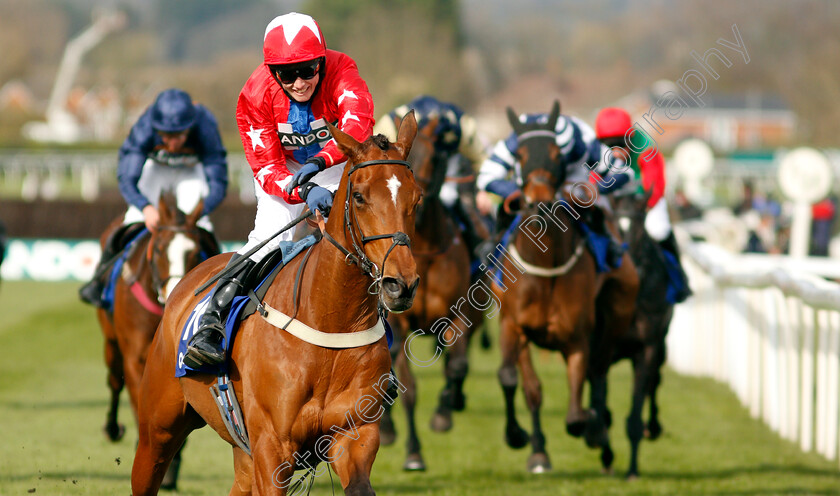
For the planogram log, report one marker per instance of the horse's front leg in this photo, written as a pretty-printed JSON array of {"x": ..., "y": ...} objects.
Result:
[
  {"x": 576, "y": 353},
  {"x": 414, "y": 459},
  {"x": 455, "y": 372},
  {"x": 273, "y": 464},
  {"x": 511, "y": 341},
  {"x": 654, "y": 429},
  {"x": 352, "y": 458},
  {"x": 538, "y": 462},
  {"x": 116, "y": 381}
]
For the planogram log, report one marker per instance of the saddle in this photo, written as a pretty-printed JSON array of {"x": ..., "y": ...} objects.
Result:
[{"x": 257, "y": 281}]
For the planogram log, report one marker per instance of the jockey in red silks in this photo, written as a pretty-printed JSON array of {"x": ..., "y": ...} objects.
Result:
[
  {"x": 613, "y": 127},
  {"x": 282, "y": 114}
]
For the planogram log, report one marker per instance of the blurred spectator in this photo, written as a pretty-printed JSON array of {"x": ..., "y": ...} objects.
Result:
[{"x": 823, "y": 214}]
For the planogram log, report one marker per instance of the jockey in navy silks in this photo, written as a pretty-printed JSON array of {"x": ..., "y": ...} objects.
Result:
[{"x": 174, "y": 145}]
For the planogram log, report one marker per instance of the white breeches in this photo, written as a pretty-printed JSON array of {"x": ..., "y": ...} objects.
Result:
[
  {"x": 657, "y": 222},
  {"x": 273, "y": 213},
  {"x": 189, "y": 184}
]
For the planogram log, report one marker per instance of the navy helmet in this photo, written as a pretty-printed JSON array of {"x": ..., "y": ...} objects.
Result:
[{"x": 173, "y": 111}]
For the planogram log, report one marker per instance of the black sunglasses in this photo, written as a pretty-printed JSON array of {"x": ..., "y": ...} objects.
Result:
[{"x": 289, "y": 74}]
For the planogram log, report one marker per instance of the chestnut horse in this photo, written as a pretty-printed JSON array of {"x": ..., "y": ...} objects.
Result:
[
  {"x": 644, "y": 344},
  {"x": 296, "y": 396},
  {"x": 444, "y": 266},
  {"x": 560, "y": 302},
  {"x": 154, "y": 264}
]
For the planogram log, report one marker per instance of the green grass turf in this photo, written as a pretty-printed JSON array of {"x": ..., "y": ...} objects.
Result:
[{"x": 53, "y": 400}]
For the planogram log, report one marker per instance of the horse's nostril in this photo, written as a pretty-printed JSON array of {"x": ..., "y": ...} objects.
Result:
[{"x": 392, "y": 287}]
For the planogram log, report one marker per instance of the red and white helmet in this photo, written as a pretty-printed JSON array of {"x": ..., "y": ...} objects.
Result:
[
  {"x": 612, "y": 122},
  {"x": 293, "y": 38}
]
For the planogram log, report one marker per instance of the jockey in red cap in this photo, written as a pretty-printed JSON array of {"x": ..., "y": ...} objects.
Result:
[
  {"x": 614, "y": 128},
  {"x": 282, "y": 114}
]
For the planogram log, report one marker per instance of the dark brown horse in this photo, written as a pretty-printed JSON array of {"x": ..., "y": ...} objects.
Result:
[
  {"x": 154, "y": 264},
  {"x": 443, "y": 264},
  {"x": 560, "y": 302},
  {"x": 297, "y": 398},
  {"x": 644, "y": 344}
]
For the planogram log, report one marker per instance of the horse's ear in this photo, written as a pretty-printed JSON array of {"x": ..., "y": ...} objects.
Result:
[
  {"x": 346, "y": 143},
  {"x": 407, "y": 133},
  {"x": 193, "y": 216},
  {"x": 554, "y": 115},
  {"x": 513, "y": 119}
]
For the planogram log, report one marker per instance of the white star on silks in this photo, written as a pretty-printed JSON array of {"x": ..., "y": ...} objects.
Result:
[
  {"x": 292, "y": 24},
  {"x": 347, "y": 93},
  {"x": 264, "y": 172},
  {"x": 254, "y": 134},
  {"x": 348, "y": 116}
]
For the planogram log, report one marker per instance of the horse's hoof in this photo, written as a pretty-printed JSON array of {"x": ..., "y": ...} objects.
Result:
[
  {"x": 414, "y": 463},
  {"x": 114, "y": 431},
  {"x": 459, "y": 402},
  {"x": 441, "y": 422},
  {"x": 607, "y": 470},
  {"x": 631, "y": 477},
  {"x": 653, "y": 431},
  {"x": 538, "y": 463},
  {"x": 576, "y": 428},
  {"x": 516, "y": 437}
]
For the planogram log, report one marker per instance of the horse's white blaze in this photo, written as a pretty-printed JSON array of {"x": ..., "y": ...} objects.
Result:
[
  {"x": 394, "y": 185},
  {"x": 177, "y": 255},
  {"x": 624, "y": 223}
]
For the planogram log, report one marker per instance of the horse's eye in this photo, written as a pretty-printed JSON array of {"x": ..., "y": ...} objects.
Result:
[{"x": 358, "y": 198}]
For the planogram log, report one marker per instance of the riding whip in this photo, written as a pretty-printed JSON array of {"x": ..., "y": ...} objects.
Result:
[{"x": 246, "y": 256}]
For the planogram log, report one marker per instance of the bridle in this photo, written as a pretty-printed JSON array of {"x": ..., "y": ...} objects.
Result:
[
  {"x": 558, "y": 167},
  {"x": 358, "y": 238}
]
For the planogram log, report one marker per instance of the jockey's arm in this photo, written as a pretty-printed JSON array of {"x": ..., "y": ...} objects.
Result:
[
  {"x": 132, "y": 157},
  {"x": 263, "y": 148},
  {"x": 214, "y": 161},
  {"x": 495, "y": 170},
  {"x": 355, "y": 109}
]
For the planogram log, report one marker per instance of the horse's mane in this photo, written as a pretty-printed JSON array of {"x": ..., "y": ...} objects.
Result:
[{"x": 381, "y": 141}]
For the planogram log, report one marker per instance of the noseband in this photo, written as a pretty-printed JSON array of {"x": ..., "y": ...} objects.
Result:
[{"x": 357, "y": 237}]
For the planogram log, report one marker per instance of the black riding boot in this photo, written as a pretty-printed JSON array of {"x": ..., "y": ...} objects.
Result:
[
  {"x": 205, "y": 348},
  {"x": 91, "y": 292},
  {"x": 669, "y": 244}
]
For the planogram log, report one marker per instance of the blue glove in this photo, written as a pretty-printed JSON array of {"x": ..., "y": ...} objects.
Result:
[
  {"x": 312, "y": 166},
  {"x": 317, "y": 198},
  {"x": 502, "y": 188},
  {"x": 619, "y": 180}
]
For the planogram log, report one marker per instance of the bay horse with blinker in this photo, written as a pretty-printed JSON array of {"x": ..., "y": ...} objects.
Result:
[
  {"x": 293, "y": 393},
  {"x": 443, "y": 263},
  {"x": 154, "y": 263},
  {"x": 560, "y": 302}
]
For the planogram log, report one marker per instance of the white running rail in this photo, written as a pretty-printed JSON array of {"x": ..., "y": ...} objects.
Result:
[{"x": 771, "y": 332}]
